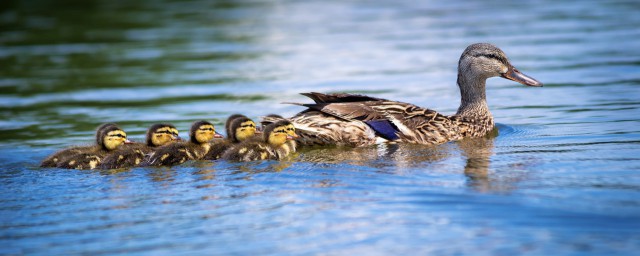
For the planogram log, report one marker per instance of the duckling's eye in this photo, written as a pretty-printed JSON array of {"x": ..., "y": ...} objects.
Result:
[
  {"x": 281, "y": 131},
  {"x": 118, "y": 135},
  {"x": 165, "y": 132},
  {"x": 247, "y": 125},
  {"x": 206, "y": 129}
]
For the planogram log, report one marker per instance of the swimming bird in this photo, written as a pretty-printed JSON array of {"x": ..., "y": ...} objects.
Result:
[
  {"x": 239, "y": 128},
  {"x": 133, "y": 154},
  {"x": 109, "y": 137},
  {"x": 359, "y": 120},
  {"x": 291, "y": 129},
  {"x": 272, "y": 146},
  {"x": 200, "y": 134}
]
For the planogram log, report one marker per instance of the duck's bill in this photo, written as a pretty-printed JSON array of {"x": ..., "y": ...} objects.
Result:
[
  {"x": 128, "y": 142},
  {"x": 217, "y": 135},
  {"x": 515, "y": 75},
  {"x": 177, "y": 138},
  {"x": 292, "y": 137}
]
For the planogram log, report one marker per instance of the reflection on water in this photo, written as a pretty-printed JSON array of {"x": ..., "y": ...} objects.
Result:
[{"x": 560, "y": 178}]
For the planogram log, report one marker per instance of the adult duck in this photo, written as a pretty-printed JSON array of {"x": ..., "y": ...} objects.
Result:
[{"x": 359, "y": 120}]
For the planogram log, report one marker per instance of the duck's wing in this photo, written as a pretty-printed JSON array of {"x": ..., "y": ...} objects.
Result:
[
  {"x": 81, "y": 161},
  {"x": 168, "y": 155},
  {"x": 54, "y": 159},
  {"x": 129, "y": 155},
  {"x": 217, "y": 149},
  {"x": 415, "y": 124},
  {"x": 248, "y": 151},
  {"x": 391, "y": 120},
  {"x": 338, "y": 97}
]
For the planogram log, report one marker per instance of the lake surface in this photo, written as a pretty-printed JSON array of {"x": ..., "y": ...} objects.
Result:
[{"x": 560, "y": 176}]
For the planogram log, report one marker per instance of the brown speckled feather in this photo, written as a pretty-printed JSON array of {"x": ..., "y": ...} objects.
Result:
[
  {"x": 128, "y": 155},
  {"x": 343, "y": 123}
]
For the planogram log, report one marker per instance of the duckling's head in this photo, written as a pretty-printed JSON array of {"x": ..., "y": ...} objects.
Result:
[
  {"x": 291, "y": 131},
  {"x": 481, "y": 61},
  {"x": 276, "y": 134},
  {"x": 202, "y": 132},
  {"x": 161, "y": 134},
  {"x": 241, "y": 129},
  {"x": 109, "y": 136},
  {"x": 227, "y": 124}
]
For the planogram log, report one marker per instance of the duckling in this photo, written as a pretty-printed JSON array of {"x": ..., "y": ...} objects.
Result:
[
  {"x": 109, "y": 137},
  {"x": 133, "y": 154},
  {"x": 54, "y": 159},
  {"x": 239, "y": 128},
  {"x": 359, "y": 120},
  {"x": 200, "y": 134},
  {"x": 273, "y": 145},
  {"x": 291, "y": 130}
]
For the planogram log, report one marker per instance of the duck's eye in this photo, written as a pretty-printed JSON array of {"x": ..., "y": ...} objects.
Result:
[
  {"x": 206, "y": 129},
  {"x": 247, "y": 125},
  {"x": 118, "y": 135}
]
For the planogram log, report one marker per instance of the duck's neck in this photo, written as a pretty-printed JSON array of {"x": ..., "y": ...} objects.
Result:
[{"x": 473, "y": 97}]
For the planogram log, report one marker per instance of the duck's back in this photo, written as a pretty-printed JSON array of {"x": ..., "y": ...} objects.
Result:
[
  {"x": 128, "y": 155},
  {"x": 88, "y": 158},
  {"x": 218, "y": 147},
  {"x": 357, "y": 120},
  {"x": 177, "y": 153},
  {"x": 54, "y": 159},
  {"x": 249, "y": 151}
]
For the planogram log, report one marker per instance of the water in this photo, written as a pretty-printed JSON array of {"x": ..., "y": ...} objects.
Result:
[{"x": 562, "y": 176}]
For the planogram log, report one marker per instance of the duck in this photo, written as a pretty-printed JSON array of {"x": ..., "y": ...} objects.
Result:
[
  {"x": 239, "y": 128},
  {"x": 273, "y": 145},
  {"x": 54, "y": 159},
  {"x": 355, "y": 120},
  {"x": 109, "y": 137},
  {"x": 291, "y": 129},
  {"x": 133, "y": 154},
  {"x": 200, "y": 134}
]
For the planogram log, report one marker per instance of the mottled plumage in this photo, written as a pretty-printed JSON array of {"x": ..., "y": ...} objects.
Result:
[
  {"x": 273, "y": 145},
  {"x": 109, "y": 137},
  {"x": 359, "y": 120},
  {"x": 239, "y": 128},
  {"x": 200, "y": 134},
  {"x": 291, "y": 145},
  {"x": 133, "y": 154},
  {"x": 54, "y": 159}
]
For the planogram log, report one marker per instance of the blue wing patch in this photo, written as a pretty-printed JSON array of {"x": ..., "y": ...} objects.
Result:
[{"x": 384, "y": 128}]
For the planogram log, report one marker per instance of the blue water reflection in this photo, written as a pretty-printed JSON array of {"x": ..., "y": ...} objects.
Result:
[{"x": 559, "y": 176}]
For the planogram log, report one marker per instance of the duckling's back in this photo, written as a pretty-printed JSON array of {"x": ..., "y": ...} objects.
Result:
[
  {"x": 88, "y": 158},
  {"x": 177, "y": 153},
  {"x": 128, "y": 155},
  {"x": 54, "y": 159},
  {"x": 249, "y": 151},
  {"x": 218, "y": 147}
]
